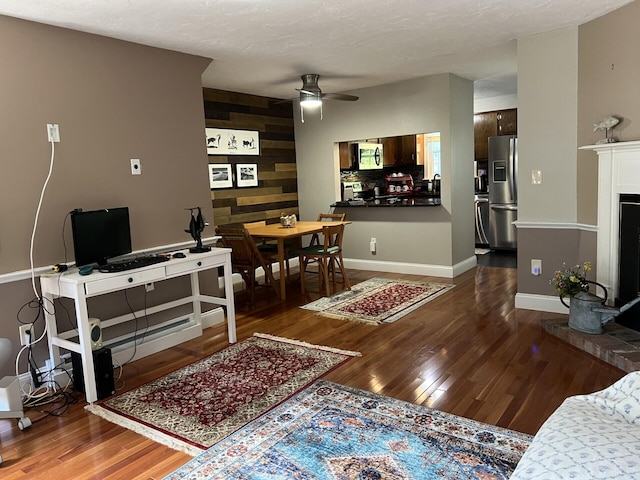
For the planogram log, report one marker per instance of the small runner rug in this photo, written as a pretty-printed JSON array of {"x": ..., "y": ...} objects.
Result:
[
  {"x": 334, "y": 432},
  {"x": 196, "y": 406},
  {"x": 378, "y": 300}
]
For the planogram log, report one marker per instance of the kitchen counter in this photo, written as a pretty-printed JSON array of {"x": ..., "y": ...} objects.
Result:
[{"x": 391, "y": 201}]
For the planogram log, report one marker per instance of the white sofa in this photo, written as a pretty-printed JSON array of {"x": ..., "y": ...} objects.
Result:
[{"x": 595, "y": 436}]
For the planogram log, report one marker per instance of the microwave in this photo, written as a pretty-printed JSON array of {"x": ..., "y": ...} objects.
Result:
[{"x": 369, "y": 156}]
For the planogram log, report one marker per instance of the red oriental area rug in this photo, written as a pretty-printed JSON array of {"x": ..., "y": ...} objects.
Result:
[
  {"x": 198, "y": 405},
  {"x": 378, "y": 300}
]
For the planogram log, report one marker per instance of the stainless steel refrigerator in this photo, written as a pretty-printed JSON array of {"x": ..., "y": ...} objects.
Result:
[{"x": 503, "y": 191}]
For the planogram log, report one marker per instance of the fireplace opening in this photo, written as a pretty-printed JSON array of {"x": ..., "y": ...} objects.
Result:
[{"x": 629, "y": 260}]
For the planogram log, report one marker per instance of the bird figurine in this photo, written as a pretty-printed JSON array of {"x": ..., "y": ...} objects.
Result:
[
  {"x": 196, "y": 226},
  {"x": 606, "y": 124}
]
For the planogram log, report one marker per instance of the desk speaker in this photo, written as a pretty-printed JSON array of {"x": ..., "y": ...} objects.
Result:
[
  {"x": 95, "y": 332},
  {"x": 103, "y": 369}
]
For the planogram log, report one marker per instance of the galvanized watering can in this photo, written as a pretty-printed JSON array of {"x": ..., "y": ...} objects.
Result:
[{"x": 587, "y": 312}]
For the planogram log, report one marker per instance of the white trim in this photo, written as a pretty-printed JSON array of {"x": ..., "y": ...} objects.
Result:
[
  {"x": 541, "y": 303},
  {"x": 18, "y": 275},
  {"x": 238, "y": 282},
  {"x": 412, "y": 268},
  {"x": 556, "y": 226},
  {"x": 603, "y": 147},
  {"x": 212, "y": 317},
  {"x": 379, "y": 266},
  {"x": 618, "y": 173},
  {"x": 461, "y": 267}
]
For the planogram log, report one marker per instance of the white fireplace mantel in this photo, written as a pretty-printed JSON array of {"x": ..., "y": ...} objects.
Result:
[{"x": 618, "y": 173}]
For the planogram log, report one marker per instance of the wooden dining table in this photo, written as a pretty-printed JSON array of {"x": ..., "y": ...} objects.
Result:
[{"x": 280, "y": 234}]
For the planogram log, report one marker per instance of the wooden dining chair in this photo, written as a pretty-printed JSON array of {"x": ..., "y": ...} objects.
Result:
[
  {"x": 326, "y": 217},
  {"x": 269, "y": 250},
  {"x": 328, "y": 256},
  {"x": 246, "y": 257}
]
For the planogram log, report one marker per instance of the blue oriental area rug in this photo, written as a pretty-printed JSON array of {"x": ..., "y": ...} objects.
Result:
[{"x": 330, "y": 431}]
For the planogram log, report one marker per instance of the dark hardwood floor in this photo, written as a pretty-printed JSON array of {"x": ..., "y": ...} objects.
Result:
[{"x": 468, "y": 352}]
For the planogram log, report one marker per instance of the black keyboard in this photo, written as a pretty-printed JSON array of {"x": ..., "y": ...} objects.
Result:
[{"x": 137, "y": 262}]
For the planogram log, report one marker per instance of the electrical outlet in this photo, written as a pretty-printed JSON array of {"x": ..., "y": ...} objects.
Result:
[
  {"x": 148, "y": 287},
  {"x": 25, "y": 337},
  {"x": 373, "y": 245},
  {"x": 53, "y": 132},
  {"x": 536, "y": 177},
  {"x": 136, "y": 166},
  {"x": 536, "y": 267}
]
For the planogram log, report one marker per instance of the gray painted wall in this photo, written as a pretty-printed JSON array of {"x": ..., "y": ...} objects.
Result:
[
  {"x": 547, "y": 141},
  {"x": 113, "y": 101},
  {"x": 547, "y": 118},
  {"x": 441, "y": 103},
  {"x": 609, "y": 73},
  {"x": 568, "y": 80}
]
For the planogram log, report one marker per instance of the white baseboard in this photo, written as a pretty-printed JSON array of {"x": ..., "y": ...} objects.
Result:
[
  {"x": 212, "y": 317},
  {"x": 465, "y": 265},
  {"x": 238, "y": 283},
  {"x": 541, "y": 303},
  {"x": 376, "y": 265},
  {"x": 412, "y": 268}
]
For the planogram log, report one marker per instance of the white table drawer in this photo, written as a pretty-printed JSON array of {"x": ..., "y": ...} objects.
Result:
[
  {"x": 194, "y": 264},
  {"x": 120, "y": 280}
]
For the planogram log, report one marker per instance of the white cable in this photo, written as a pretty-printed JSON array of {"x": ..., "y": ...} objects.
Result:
[
  {"x": 31, "y": 393},
  {"x": 35, "y": 223}
]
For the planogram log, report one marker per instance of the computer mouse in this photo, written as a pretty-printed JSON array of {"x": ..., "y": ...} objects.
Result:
[
  {"x": 179, "y": 255},
  {"x": 86, "y": 270}
]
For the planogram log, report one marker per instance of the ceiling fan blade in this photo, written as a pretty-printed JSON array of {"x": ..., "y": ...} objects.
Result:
[
  {"x": 340, "y": 96},
  {"x": 285, "y": 100},
  {"x": 308, "y": 92}
]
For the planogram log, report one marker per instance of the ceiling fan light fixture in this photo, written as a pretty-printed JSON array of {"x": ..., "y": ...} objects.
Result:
[
  {"x": 310, "y": 94},
  {"x": 308, "y": 100}
]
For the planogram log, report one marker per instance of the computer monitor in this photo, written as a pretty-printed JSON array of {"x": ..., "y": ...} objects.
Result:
[{"x": 100, "y": 234}]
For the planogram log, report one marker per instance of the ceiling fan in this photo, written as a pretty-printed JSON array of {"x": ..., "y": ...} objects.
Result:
[{"x": 312, "y": 96}]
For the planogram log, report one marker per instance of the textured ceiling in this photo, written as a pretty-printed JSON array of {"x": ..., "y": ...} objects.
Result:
[{"x": 263, "y": 46}]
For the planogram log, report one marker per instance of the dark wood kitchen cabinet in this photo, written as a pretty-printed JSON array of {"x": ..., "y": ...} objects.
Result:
[
  {"x": 508, "y": 122},
  {"x": 491, "y": 124},
  {"x": 408, "y": 149},
  {"x": 345, "y": 151},
  {"x": 485, "y": 125},
  {"x": 398, "y": 151},
  {"x": 391, "y": 151}
]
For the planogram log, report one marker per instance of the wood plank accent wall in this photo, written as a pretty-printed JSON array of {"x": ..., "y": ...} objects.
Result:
[{"x": 277, "y": 190}]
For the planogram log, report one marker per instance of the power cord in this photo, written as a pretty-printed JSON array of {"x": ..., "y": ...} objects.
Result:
[
  {"x": 34, "y": 390},
  {"x": 35, "y": 223},
  {"x": 135, "y": 335},
  {"x": 37, "y": 302}
]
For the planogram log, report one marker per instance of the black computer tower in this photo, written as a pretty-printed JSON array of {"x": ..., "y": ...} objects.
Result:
[{"x": 103, "y": 366}]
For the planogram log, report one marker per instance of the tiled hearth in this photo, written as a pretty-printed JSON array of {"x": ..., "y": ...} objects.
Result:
[{"x": 617, "y": 345}]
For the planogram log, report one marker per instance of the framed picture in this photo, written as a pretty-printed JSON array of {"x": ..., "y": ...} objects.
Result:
[
  {"x": 222, "y": 141},
  {"x": 247, "y": 174},
  {"x": 220, "y": 175}
]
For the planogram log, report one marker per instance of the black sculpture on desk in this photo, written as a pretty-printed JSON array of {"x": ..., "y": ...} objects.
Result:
[{"x": 196, "y": 226}]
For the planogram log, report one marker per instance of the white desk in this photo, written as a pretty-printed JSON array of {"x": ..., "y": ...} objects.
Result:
[{"x": 72, "y": 285}]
